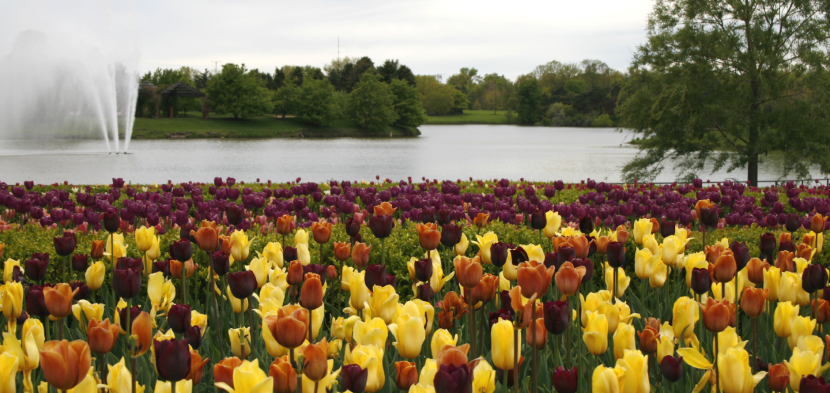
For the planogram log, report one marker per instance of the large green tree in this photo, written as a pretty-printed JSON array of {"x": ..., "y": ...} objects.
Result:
[
  {"x": 371, "y": 103},
  {"x": 237, "y": 92},
  {"x": 316, "y": 102},
  {"x": 407, "y": 106},
  {"x": 727, "y": 82},
  {"x": 529, "y": 106}
]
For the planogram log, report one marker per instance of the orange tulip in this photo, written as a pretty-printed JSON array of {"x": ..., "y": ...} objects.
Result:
[
  {"x": 59, "y": 300},
  {"x": 315, "y": 360},
  {"x": 311, "y": 296},
  {"x": 809, "y": 239},
  {"x": 65, "y": 364},
  {"x": 142, "y": 328},
  {"x": 452, "y": 303},
  {"x": 753, "y": 301},
  {"x": 223, "y": 371},
  {"x": 206, "y": 237},
  {"x": 534, "y": 278},
  {"x": 717, "y": 315},
  {"x": 102, "y": 336},
  {"x": 406, "y": 375},
  {"x": 290, "y": 326},
  {"x": 360, "y": 254},
  {"x": 468, "y": 271},
  {"x": 485, "y": 291},
  {"x": 321, "y": 231},
  {"x": 702, "y": 204},
  {"x": 755, "y": 270},
  {"x": 481, "y": 219},
  {"x": 452, "y": 355},
  {"x": 649, "y": 339},
  {"x": 523, "y": 310},
  {"x": 226, "y": 244},
  {"x": 285, "y": 378},
  {"x": 342, "y": 251},
  {"x": 822, "y": 310},
  {"x": 176, "y": 268},
  {"x": 197, "y": 367},
  {"x": 653, "y": 322},
  {"x": 428, "y": 235},
  {"x": 560, "y": 241},
  {"x": 655, "y": 226},
  {"x": 581, "y": 246},
  {"x": 541, "y": 338},
  {"x": 725, "y": 267},
  {"x": 446, "y": 319},
  {"x": 295, "y": 273},
  {"x": 284, "y": 224},
  {"x": 804, "y": 251},
  {"x": 385, "y": 209},
  {"x": 712, "y": 253},
  {"x": 817, "y": 223},
  {"x": 97, "y": 250},
  {"x": 785, "y": 261},
  {"x": 779, "y": 377},
  {"x": 623, "y": 234},
  {"x": 568, "y": 278},
  {"x": 602, "y": 244},
  {"x": 785, "y": 237}
]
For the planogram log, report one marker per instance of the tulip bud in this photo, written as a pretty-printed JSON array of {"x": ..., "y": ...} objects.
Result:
[
  {"x": 812, "y": 384},
  {"x": 565, "y": 381},
  {"x": 741, "y": 253},
  {"x": 534, "y": 279},
  {"x": 468, "y": 271},
  {"x": 353, "y": 378},
  {"x": 295, "y": 273},
  {"x": 821, "y": 308},
  {"x": 779, "y": 377},
  {"x": 311, "y": 295},
  {"x": 126, "y": 282},
  {"x": 451, "y": 379},
  {"x": 709, "y": 216},
  {"x": 406, "y": 375},
  {"x": 194, "y": 336},
  {"x": 162, "y": 266},
  {"x": 102, "y": 336},
  {"x": 557, "y": 316},
  {"x": 321, "y": 231},
  {"x": 331, "y": 272},
  {"x": 767, "y": 245},
  {"x": 242, "y": 284},
  {"x": 568, "y": 278},
  {"x": 616, "y": 254},
  {"x": 80, "y": 262},
  {"x": 37, "y": 266},
  {"x": 59, "y": 300},
  {"x": 342, "y": 251},
  {"x": 97, "y": 249},
  {"x": 178, "y": 318},
  {"x": 207, "y": 238},
  {"x": 498, "y": 253},
  {"x": 284, "y": 224},
  {"x": 315, "y": 360},
  {"x": 814, "y": 278},
  {"x": 65, "y": 364},
  {"x": 360, "y": 254},
  {"x": 725, "y": 267},
  {"x": 290, "y": 326},
  {"x": 755, "y": 271},
  {"x": 65, "y": 244},
  {"x": 428, "y": 236},
  {"x": 701, "y": 281},
  {"x": 485, "y": 291},
  {"x": 717, "y": 315},
  {"x": 649, "y": 339},
  {"x": 181, "y": 250},
  {"x": 817, "y": 223},
  {"x": 285, "y": 378},
  {"x": 672, "y": 368},
  {"x": 381, "y": 225},
  {"x": 172, "y": 359},
  {"x": 754, "y": 301},
  {"x": 377, "y": 275},
  {"x": 423, "y": 270},
  {"x": 451, "y": 235}
]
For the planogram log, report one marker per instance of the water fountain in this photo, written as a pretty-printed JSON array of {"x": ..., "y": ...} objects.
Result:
[{"x": 67, "y": 71}]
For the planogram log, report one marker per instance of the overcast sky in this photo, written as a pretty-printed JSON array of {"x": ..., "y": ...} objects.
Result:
[{"x": 431, "y": 37}]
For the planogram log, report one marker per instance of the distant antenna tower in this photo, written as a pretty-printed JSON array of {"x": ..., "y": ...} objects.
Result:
[
  {"x": 215, "y": 66},
  {"x": 338, "y": 49}
]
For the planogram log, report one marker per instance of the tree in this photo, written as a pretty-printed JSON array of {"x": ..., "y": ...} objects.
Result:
[
  {"x": 436, "y": 97},
  {"x": 285, "y": 99},
  {"x": 529, "y": 101},
  {"x": 237, "y": 92},
  {"x": 409, "y": 110},
  {"x": 371, "y": 103},
  {"x": 316, "y": 103},
  {"x": 727, "y": 82},
  {"x": 387, "y": 70}
]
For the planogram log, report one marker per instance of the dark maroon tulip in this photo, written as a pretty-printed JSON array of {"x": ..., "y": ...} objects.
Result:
[
  {"x": 565, "y": 381},
  {"x": 452, "y": 379},
  {"x": 741, "y": 252},
  {"x": 235, "y": 214},
  {"x": 504, "y": 300},
  {"x": 129, "y": 263},
  {"x": 353, "y": 378},
  {"x": 443, "y": 216},
  {"x": 352, "y": 227},
  {"x": 616, "y": 254},
  {"x": 35, "y": 303},
  {"x": 538, "y": 220},
  {"x": 667, "y": 228},
  {"x": 565, "y": 254},
  {"x": 178, "y": 318},
  {"x": 701, "y": 280},
  {"x": 785, "y": 246},
  {"x": 37, "y": 266},
  {"x": 812, "y": 384},
  {"x": 172, "y": 359},
  {"x": 589, "y": 268},
  {"x": 767, "y": 246},
  {"x": 518, "y": 255},
  {"x": 423, "y": 270},
  {"x": 122, "y": 315},
  {"x": 126, "y": 282},
  {"x": 672, "y": 367},
  {"x": 221, "y": 262},
  {"x": 557, "y": 316},
  {"x": 289, "y": 254},
  {"x": 376, "y": 275},
  {"x": 111, "y": 221},
  {"x": 498, "y": 253},
  {"x": 83, "y": 290},
  {"x": 793, "y": 222},
  {"x": 22, "y": 318},
  {"x": 242, "y": 284},
  {"x": 181, "y": 250},
  {"x": 29, "y": 184},
  {"x": 551, "y": 259},
  {"x": 586, "y": 225},
  {"x": 317, "y": 269},
  {"x": 194, "y": 336},
  {"x": 381, "y": 225},
  {"x": 162, "y": 266},
  {"x": 425, "y": 292},
  {"x": 450, "y": 235},
  {"x": 80, "y": 262},
  {"x": 814, "y": 278},
  {"x": 65, "y": 244},
  {"x": 709, "y": 216},
  {"x": 495, "y": 317}
]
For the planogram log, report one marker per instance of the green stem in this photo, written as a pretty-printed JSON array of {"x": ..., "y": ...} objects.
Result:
[{"x": 383, "y": 251}]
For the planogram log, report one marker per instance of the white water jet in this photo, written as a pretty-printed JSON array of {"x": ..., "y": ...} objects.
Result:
[{"x": 68, "y": 70}]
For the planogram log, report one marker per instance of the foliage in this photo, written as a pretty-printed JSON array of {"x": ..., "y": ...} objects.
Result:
[
  {"x": 316, "y": 102},
  {"x": 237, "y": 92},
  {"x": 529, "y": 101},
  {"x": 371, "y": 103},
  {"x": 407, "y": 107}
]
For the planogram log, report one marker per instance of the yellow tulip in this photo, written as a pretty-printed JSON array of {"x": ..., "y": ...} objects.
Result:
[
  {"x": 183, "y": 386},
  {"x": 461, "y": 246},
  {"x": 373, "y": 332},
  {"x": 249, "y": 378},
  {"x": 87, "y": 385},
  {"x": 119, "y": 251},
  {"x": 419, "y": 308},
  {"x": 410, "y": 334},
  {"x": 673, "y": 249},
  {"x": 341, "y": 328},
  {"x": 802, "y": 364},
  {"x": 260, "y": 267},
  {"x": 118, "y": 238},
  {"x": 236, "y": 336},
  {"x": 8, "y": 269},
  {"x": 303, "y": 255},
  {"x": 345, "y": 277},
  {"x": 317, "y": 317},
  {"x": 334, "y": 348},
  {"x": 301, "y": 237},
  {"x": 437, "y": 280},
  {"x": 593, "y": 302},
  {"x": 642, "y": 227},
  {"x": 91, "y": 311},
  {"x": 622, "y": 280},
  {"x": 484, "y": 377},
  {"x": 636, "y": 366},
  {"x": 534, "y": 252},
  {"x": 239, "y": 305},
  {"x": 509, "y": 270},
  {"x": 273, "y": 253},
  {"x": 484, "y": 243},
  {"x": 119, "y": 378},
  {"x": 198, "y": 319},
  {"x": 664, "y": 348},
  {"x": 692, "y": 261},
  {"x": 95, "y": 275},
  {"x": 624, "y": 340},
  {"x": 596, "y": 333},
  {"x": 502, "y": 344},
  {"x": 811, "y": 343},
  {"x": 441, "y": 338},
  {"x": 659, "y": 275},
  {"x": 358, "y": 291},
  {"x": 643, "y": 266},
  {"x": 785, "y": 315},
  {"x": 772, "y": 281},
  {"x": 650, "y": 243},
  {"x": 685, "y": 315},
  {"x": 13, "y": 301},
  {"x": 552, "y": 224},
  {"x": 728, "y": 338},
  {"x": 279, "y": 277},
  {"x": 427, "y": 375},
  {"x": 368, "y": 357},
  {"x": 384, "y": 303},
  {"x": 35, "y": 327},
  {"x": 144, "y": 238},
  {"x": 666, "y": 330},
  {"x": 421, "y": 388},
  {"x": 8, "y": 370},
  {"x": 161, "y": 292},
  {"x": 790, "y": 288},
  {"x": 323, "y": 385},
  {"x": 800, "y": 327},
  {"x": 735, "y": 372},
  {"x": 240, "y": 246},
  {"x": 608, "y": 380},
  {"x": 152, "y": 254}
]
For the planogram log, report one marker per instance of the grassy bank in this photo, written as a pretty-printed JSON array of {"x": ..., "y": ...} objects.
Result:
[
  {"x": 471, "y": 117},
  {"x": 219, "y": 126}
]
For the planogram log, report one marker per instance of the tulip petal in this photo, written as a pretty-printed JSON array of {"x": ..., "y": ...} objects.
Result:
[{"x": 694, "y": 358}]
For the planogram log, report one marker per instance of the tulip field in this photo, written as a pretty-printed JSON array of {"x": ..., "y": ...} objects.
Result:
[{"x": 475, "y": 286}]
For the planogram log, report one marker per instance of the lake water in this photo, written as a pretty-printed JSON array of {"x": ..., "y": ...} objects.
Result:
[{"x": 442, "y": 152}]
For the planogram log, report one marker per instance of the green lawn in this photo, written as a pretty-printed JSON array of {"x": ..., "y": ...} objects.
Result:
[
  {"x": 470, "y": 117},
  {"x": 225, "y": 126}
]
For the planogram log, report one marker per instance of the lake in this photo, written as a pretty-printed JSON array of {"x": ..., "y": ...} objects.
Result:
[{"x": 442, "y": 152}]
